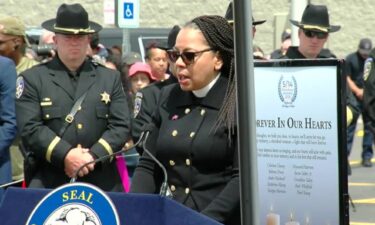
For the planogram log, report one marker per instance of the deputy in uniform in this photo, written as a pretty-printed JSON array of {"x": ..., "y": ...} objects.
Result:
[
  {"x": 313, "y": 33},
  {"x": 229, "y": 16},
  {"x": 195, "y": 130},
  {"x": 46, "y": 95},
  {"x": 146, "y": 98}
]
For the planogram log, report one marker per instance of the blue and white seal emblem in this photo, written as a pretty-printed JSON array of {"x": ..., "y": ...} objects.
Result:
[
  {"x": 287, "y": 90},
  {"x": 76, "y": 203}
]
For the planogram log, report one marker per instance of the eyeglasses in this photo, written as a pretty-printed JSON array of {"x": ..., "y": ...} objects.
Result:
[
  {"x": 187, "y": 57},
  {"x": 311, "y": 34}
]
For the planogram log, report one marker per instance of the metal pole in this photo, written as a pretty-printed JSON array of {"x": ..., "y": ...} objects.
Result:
[
  {"x": 246, "y": 112},
  {"x": 125, "y": 41},
  {"x": 296, "y": 10}
]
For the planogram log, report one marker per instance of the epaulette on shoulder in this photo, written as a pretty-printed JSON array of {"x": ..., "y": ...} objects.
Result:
[
  {"x": 97, "y": 62},
  {"x": 42, "y": 63}
]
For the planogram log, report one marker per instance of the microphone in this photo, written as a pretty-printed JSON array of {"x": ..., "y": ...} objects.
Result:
[
  {"x": 103, "y": 158},
  {"x": 164, "y": 189}
]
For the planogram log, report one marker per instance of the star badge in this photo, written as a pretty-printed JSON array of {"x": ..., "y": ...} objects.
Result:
[{"x": 105, "y": 97}]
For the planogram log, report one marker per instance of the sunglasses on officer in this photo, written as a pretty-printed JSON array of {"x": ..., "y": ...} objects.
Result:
[
  {"x": 311, "y": 34},
  {"x": 187, "y": 57}
]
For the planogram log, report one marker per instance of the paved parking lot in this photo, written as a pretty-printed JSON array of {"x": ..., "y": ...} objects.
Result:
[{"x": 361, "y": 185}]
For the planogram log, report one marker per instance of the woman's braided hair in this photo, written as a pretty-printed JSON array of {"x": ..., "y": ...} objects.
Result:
[{"x": 219, "y": 36}]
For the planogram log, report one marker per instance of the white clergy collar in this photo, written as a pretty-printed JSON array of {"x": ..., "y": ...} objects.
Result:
[{"x": 201, "y": 93}]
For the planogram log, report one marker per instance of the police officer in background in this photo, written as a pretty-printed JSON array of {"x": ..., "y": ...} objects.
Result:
[
  {"x": 369, "y": 89},
  {"x": 70, "y": 110},
  {"x": 146, "y": 99},
  {"x": 229, "y": 17},
  {"x": 354, "y": 66},
  {"x": 313, "y": 33}
]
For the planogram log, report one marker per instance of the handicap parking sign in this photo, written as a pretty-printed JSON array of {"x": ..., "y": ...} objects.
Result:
[
  {"x": 128, "y": 10},
  {"x": 127, "y": 13}
]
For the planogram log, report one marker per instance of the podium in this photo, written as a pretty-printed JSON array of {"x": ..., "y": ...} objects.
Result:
[{"x": 137, "y": 209}]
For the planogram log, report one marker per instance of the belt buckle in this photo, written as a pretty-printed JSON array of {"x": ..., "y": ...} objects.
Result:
[{"x": 69, "y": 118}]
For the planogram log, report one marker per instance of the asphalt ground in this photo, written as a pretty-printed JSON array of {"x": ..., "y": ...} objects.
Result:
[{"x": 361, "y": 184}]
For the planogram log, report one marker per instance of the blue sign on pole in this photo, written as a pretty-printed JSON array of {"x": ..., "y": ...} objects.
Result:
[
  {"x": 128, "y": 10},
  {"x": 127, "y": 13}
]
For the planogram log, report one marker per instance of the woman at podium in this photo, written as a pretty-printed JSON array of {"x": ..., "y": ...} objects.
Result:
[{"x": 194, "y": 135}]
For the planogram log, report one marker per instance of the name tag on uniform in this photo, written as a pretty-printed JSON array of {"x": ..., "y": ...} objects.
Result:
[{"x": 46, "y": 102}]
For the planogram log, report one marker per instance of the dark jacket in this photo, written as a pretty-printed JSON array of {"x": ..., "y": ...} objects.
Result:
[
  {"x": 293, "y": 53},
  {"x": 101, "y": 125},
  {"x": 201, "y": 162},
  {"x": 145, "y": 104},
  {"x": 8, "y": 127},
  {"x": 354, "y": 65},
  {"x": 369, "y": 89}
]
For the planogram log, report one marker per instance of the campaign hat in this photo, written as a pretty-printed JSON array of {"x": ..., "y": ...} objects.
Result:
[
  {"x": 172, "y": 36},
  {"x": 171, "y": 41},
  {"x": 315, "y": 17},
  {"x": 229, "y": 16},
  {"x": 71, "y": 19}
]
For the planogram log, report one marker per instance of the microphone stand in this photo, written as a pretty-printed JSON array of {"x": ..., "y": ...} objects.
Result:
[
  {"x": 11, "y": 183},
  {"x": 74, "y": 179},
  {"x": 164, "y": 189}
]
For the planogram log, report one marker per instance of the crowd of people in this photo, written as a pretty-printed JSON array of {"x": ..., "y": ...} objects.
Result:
[{"x": 83, "y": 101}]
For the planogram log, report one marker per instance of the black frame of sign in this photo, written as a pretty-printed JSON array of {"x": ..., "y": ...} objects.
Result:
[{"x": 341, "y": 123}]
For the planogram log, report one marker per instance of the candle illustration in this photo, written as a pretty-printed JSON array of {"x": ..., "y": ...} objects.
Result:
[
  {"x": 291, "y": 221},
  {"x": 272, "y": 218}
]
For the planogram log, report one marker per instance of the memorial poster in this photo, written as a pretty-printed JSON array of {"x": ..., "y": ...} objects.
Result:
[{"x": 297, "y": 129}]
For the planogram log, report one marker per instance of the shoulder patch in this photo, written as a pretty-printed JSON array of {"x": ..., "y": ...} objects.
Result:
[
  {"x": 98, "y": 61},
  {"x": 367, "y": 68},
  {"x": 20, "y": 86},
  {"x": 137, "y": 103}
]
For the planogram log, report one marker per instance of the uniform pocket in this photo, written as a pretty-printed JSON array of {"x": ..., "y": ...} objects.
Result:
[
  {"x": 51, "y": 113},
  {"x": 102, "y": 112}
]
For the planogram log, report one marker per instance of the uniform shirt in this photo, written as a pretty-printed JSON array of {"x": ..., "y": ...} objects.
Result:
[
  {"x": 201, "y": 162},
  {"x": 294, "y": 53},
  {"x": 45, "y": 97},
  {"x": 354, "y": 64}
]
